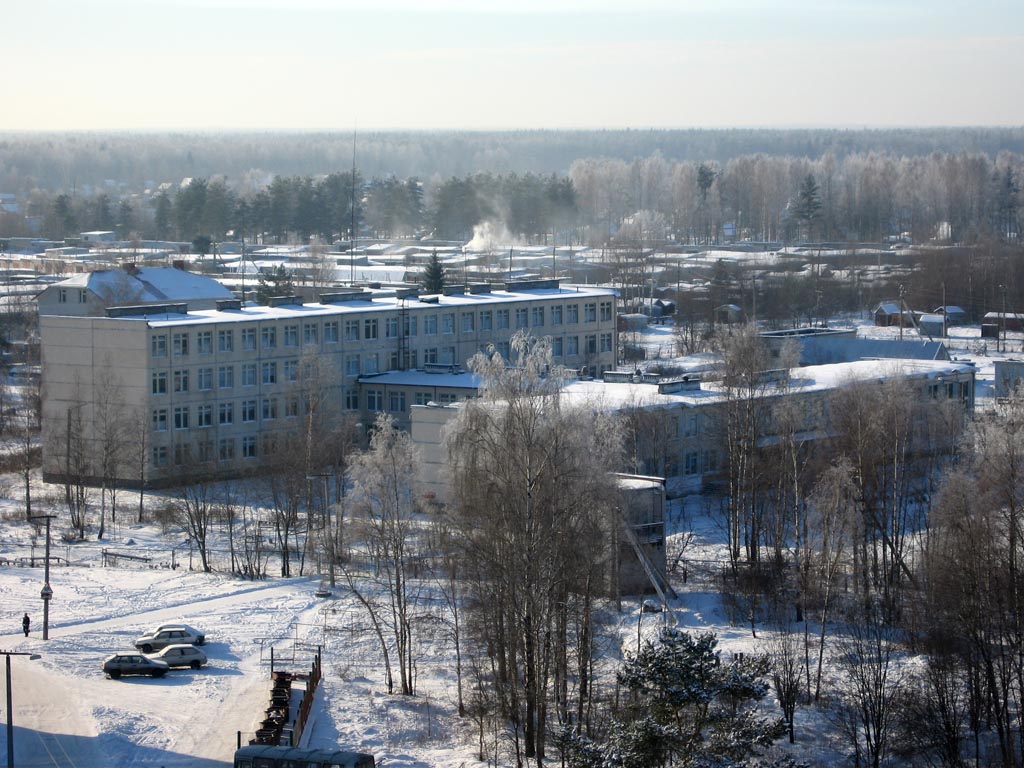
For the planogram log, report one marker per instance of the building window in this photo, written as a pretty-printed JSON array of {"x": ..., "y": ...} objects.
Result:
[
  {"x": 159, "y": 385},
  {"x": 468, "y": 320},
  {"x": 486, "y": 320},
  {"x": 502, "y": 319},
  {"x": 430, "y": 325},
  {"x": 351, "y": 330},
  {"x": 430, "y": 355},
  {"x": 226, "y": 413},
  {"x": 291, "y": 335},
  {"x": 249, "y": 447},
  {"x": 391, "y": 328},
  {"x": 370, "y": 329},
  {"x": 269, "y": 373},
  {"x": 269, "y": 408},
  {"x": 556, "y": 315},
  {"x": 522, "y": 318},
  {"x": 572, "y": 312},
  {"x": 158, "y": 345},
  {"x": 180, "y": 344},
  {"x": 182, "y": 454},
  {"x": 181, "y": 417},
  {"x": 592, "y": 344},
  {"x": 204, "y": 451},
  {"x": 422, "y": 398},
  {"x": 248, "y": 339},
  {"x": 268, "y": 337},
  {"x": 225, "y": 341},
  {"x": 572, "y": 346},
  {"x": 291, "y": 370},
  {"x": 249, "y": 374},
  {"x": 226, "y": 377},
  {"x": 291, "y": 408},
  {"x": 606, "y": 310},
  {"x": 396, "y": 402},
  {"x": 351, "y": 399},
  {"x": 410, "y": 325},
  {"x": 310, "y": 334},
  {"x": 352, "y": 365},
  {"x": 226, "y": 449},
  {"x": 81, "y": 296},
  {"x": 181, "y": 380},
  {"x": 606, "y": 342},
  {"x": 160, "y": 455},
  {"x": 692, "y": 465},
  {"x": 448, "y": 322},
  {"x": 448, "y": 355},
  {"x": 204, "y": 342},
  {"x": 370, "y": 364},
  {"x": 204, "y": 379},
  {"x": 331, "y": 332},
  {"x": 393, "y": 361},
  {"x": 204, "y": 416},
  {"x": 503, "y": 349},
  {"x": 556, "y": 346},
  {"x": 538, "y": 316},
  {"x": 160, "y": 420},
  {"x": 590, "y": 312},
  {"x": 62, "y": 295},
  {"x": 374, "y": 400},
  {"x": 248, "y": 411}
]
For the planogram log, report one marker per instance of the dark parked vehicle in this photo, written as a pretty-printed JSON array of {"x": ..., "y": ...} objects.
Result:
[
  {"x": 260, "y": 756},
  {"x": 129, "y": 663}
]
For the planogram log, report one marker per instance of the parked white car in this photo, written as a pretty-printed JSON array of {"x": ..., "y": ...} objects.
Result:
[
  {"x": 180, "y": 656},
  {"x": 161, "y": 637}
]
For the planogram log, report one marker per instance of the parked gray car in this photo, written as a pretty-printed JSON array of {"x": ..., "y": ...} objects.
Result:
[
  {"x": 180, "y": 656},
  {"x": 129, "y": 663},
  {"x": 169, "y": 635}
]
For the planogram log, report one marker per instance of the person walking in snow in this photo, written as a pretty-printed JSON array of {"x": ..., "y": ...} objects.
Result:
[{"x": 25, "y": 623}]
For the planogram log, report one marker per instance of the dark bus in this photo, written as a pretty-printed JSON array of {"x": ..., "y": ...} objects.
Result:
[{"x": 263, "y": 756}]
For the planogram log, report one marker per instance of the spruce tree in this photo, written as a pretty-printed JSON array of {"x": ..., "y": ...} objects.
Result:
[{"x": 433, "y": 275}]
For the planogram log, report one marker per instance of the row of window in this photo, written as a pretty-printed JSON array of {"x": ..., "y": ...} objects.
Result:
[
  {"x": 207, "y": 415},
  {"x": 309, "y": 333},
  {"x": 206, "y": 451}
]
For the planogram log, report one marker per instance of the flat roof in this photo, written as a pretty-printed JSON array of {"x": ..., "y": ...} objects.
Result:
[{"x": 377, "y": 304}]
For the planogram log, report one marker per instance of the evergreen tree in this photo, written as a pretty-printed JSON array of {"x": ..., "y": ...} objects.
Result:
[
  {"x": 433, "y": 275},
  {"x": 808, "y": 209},
  {"x": 687, "y": 707},
  {"x": 276, "y": 282}
]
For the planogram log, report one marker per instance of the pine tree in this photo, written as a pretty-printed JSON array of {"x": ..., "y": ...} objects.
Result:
[
  {"x": 276, "y": 282},
  {"x": 808, "y": 209},
  {"x": 433, "y": 275}
]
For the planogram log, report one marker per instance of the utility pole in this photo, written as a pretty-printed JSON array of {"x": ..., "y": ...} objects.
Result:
[
  {"x": 902, "y": 290},
  {"x": 10, "y": 714},
  {"x": 47, "y": 593}
]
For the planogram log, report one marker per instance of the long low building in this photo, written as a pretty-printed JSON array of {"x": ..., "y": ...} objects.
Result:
[
  {"x": 210, "y": 390},
  {"x": 675, "y": 426}
]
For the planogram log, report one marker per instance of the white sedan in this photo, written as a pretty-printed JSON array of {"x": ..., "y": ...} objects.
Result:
[{"x": 180, "y": 656}]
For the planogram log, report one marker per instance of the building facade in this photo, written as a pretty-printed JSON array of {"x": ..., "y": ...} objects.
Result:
[{"x": 217, "y": 388}]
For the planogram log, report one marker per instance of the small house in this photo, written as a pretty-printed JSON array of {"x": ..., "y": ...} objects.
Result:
[
  {"x": 954, "y": 315},
  {"x": 887, "y": 314}
]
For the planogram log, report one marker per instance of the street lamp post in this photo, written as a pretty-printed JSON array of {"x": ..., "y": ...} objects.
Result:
[
  {"x": 10, "y": 716},
  {"x": 47, "y": 593}
]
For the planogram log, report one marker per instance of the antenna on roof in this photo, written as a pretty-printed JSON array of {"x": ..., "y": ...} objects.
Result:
[{"x": 352, "y": 244}]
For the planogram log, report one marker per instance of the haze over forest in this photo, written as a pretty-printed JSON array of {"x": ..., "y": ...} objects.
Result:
[{"x": 69, "y": 161}]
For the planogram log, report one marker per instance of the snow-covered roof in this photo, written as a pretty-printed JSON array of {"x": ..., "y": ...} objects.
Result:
[
  {"x": 147, "y": 284},
  {"x": 825, "y": 349},
  {"x": 421, "y": 378},
  {"x": 377, "y": 304}
]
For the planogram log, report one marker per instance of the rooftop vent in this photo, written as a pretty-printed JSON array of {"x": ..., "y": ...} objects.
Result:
[
  {"x": 343, "y": 296},
  {"x": 478, "y": 288},
  {"x": 454, "y": 290},
  {"x": 225, "y": 304},
  {"x": 282, "y": 301},
  {"x": 532, "y": 285}
]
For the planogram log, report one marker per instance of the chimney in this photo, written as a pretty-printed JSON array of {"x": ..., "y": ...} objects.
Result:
[{"x": 130, "y": 268}]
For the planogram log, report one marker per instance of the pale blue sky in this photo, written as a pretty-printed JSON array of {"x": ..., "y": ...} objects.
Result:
[{"x": 403, "y": 64}]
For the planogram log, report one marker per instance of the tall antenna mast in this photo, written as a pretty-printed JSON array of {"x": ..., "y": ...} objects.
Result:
[{"x": 352, "y": 244}]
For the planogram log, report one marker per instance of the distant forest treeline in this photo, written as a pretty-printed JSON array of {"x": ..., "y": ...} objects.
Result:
[
  {"x": 58, "y": 162},
  {"x": 863, "y": 197}
]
